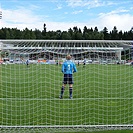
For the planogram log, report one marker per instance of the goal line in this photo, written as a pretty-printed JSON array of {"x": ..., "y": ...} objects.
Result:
[
  {"x": 61, "y": 129},
  {"x": 53, "y": 99}
]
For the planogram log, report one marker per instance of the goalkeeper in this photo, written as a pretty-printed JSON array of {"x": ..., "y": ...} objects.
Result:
[{"x": 68, "y": 68}]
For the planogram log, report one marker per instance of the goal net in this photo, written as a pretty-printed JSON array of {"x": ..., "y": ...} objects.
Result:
[{"x": 29, "y": 91}]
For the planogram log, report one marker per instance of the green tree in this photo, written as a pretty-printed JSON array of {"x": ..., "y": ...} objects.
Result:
[
  {"x": 7, "y": 34},
  {"x": 70, "y": 31},
  {"x": 2, "y": 34},
  {"x": 58, "y": 34},
  {"x": 18, "y": 34},
  {"x": 65, "y": 35},
  {"x": 114, "y": 34},
  {"x": 32, "y": 35},
  {"x": 120, "y": 34},
  {"x": 105, "y": 33},
  {"x": 85, "y": 33},
  {"x": 26, "y": 33},
  {"x": 44, "y": 31},
  {"x": 38, "y": 34}
]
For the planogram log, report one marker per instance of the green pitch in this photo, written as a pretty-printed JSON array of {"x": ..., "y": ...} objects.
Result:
[{"x": 102, "y": 95}]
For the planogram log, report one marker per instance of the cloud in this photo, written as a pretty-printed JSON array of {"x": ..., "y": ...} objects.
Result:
[
  {"x": 96, "y": 3},
  {"x": 25, "y": 17},
  {"x": 74, "y": 3},
  {"x": 117, "y": 11},
  {"x": 119, "y": 18},
  {"x": 121, "y": 21},
  {"x": 59, "y": 6},
  {"x": 77, "y": 12},
  {"x": 21, "y": 18},
  {"x": 19, "y": 15},
  {"x": 86, "y": 3}
]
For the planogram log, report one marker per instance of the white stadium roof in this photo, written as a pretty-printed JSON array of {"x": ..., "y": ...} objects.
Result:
[{"x": 64, "y": 46}]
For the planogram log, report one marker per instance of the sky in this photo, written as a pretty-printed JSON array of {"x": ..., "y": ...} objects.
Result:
[{"x": 65, "y": 14}]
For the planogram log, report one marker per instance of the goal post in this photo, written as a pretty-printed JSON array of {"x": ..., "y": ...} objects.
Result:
[{"x": 102, "y": 89}]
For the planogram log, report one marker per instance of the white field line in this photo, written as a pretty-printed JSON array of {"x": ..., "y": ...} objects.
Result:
[
  {"x": 54, "y": 99},
  {"x": 126, "y": 126}
]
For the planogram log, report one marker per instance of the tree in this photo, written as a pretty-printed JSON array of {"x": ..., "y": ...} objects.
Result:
[
  {"x": 120, "y": 34},
  {"x": 70, "y": 31},
  {"x": 85, "y": 34},
  {"x": 32, "y": 35},
  {"x": 38, "y": 34},
  {"x": 74, "y": 33},
  {"x": 65, "y": 35},
  {"x": 7, "y": 34},
  {"x": 44, "y": 30},
  {"x": 26, "y": 33},
  {"x": 95, "y": 29},
  {"x": 2, "y": 34},
  {"x": 114, "y": 34},
  {"x": 58, "y": 34},
  {"x": 18, "y": 34},
  {"x": 105, "y": 33}
]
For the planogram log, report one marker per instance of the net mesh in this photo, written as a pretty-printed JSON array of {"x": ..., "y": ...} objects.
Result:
[{"x": 102, "y": 89}]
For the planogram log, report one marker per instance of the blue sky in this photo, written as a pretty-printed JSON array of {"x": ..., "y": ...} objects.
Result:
[{"x": 65, "y": 14}]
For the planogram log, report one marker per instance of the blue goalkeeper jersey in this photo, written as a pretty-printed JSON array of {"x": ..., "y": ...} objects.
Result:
[{"x": 68, "y": 67}]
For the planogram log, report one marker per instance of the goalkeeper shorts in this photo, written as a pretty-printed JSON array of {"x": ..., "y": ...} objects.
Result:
[{"x": 68, "y": 79}]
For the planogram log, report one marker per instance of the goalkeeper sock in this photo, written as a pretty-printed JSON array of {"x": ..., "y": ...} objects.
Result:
[
  {"x": 62, "y": 91},
  {"x": 70, "y": 91}
]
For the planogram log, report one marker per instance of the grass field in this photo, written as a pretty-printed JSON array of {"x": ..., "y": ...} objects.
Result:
[{"x": 102, "y": 95}]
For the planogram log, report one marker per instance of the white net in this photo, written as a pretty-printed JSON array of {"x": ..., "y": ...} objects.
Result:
[{"x": 102, "y": 89}]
